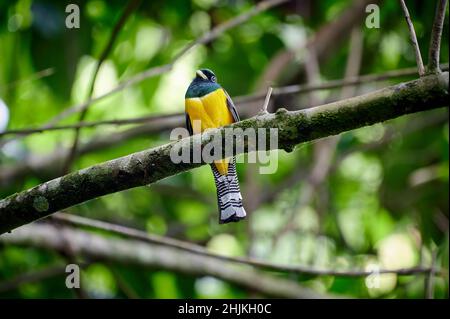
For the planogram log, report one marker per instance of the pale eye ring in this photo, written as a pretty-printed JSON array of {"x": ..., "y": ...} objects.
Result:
[{"x": 213, "y": 78}]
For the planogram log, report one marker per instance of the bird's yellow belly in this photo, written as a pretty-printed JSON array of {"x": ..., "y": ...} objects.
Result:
[{"x": 210, "y": 111}]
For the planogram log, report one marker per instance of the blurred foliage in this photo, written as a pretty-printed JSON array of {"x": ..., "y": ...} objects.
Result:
[{"x": 383, "y": 206}]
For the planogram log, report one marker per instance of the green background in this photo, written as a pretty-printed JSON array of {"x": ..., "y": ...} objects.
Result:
[{"x": 384, "y": 202}]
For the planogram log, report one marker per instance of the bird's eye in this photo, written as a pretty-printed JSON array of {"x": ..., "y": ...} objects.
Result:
[{"x": 213, "y": 78}]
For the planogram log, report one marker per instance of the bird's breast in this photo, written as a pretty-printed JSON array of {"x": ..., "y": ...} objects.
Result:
[{"x": 211, "y": 109}]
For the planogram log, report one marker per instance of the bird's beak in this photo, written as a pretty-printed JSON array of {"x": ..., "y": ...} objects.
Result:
[{"x": 201, "y": 74}]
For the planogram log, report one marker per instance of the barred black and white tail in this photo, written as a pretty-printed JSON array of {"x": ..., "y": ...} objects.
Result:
[{"x": 228, "y": 194}]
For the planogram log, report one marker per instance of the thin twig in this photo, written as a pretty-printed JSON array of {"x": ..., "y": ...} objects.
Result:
[
  {"x": 131, "y": 6},
  {"x": 38, "y": 75},
  {"x": 67, "y": 252},
  {"x": 165, "y": 241},
  {"x": 35, "y": 276},
  {"x": 436, "y": 34},
  {"x": 266, "y": 101},
  {"x": 334, "y": 84},
  {"x": 135, "y": 120},
  {"x": 429, "y": 281},
  {"x": 412, "y": 35},
  {"x": 220, "y": 29},
  {"x": 390, "y": 135},
  {"x": 136, "y": 79},
  {"x": 126, "y": 288}
]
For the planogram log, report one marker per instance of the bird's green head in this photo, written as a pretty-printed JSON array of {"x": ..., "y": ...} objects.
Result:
[{"x": 205, "y": 82}]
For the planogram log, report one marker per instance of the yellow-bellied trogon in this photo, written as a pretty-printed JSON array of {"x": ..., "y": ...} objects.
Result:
[{"x": 206, "y": 101}]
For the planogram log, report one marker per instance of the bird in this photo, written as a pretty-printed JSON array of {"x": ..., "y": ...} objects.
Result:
[{"x": 206, "y": 101}]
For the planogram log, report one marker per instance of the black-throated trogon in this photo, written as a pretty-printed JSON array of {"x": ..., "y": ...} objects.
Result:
[{"x": 207, "y": 102}]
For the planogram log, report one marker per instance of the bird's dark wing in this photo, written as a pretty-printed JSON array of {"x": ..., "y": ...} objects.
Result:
[
  {"x": 188, "y": 124},
  {"x": 231, "y": 107}
]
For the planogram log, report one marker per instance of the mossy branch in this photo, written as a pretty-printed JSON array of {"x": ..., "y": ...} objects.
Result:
[{"x": 149, "y": 166}]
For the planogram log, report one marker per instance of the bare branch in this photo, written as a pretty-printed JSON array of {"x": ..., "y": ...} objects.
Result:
[
  {"x": 145, "y": 254},
  {"x": 353, "y": 64},
  {"x": 151, "y": 165},
  {"x": 436, "y": 34},
  {"x": 199, "y": 250},
  {"x": 413, "y": 38}
]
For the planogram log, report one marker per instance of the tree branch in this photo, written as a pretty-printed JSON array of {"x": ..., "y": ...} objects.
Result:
[
  {"x": 436, "y": 34},
  {"x": 138, "y": 253},
  {"x": 199, "y": 250},
  {"x": 151, "y": 165},
  {"x": 413, "y": 38}
]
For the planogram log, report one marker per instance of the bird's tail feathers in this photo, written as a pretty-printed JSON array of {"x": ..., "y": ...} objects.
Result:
[{"x": 229, "y": 196}]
